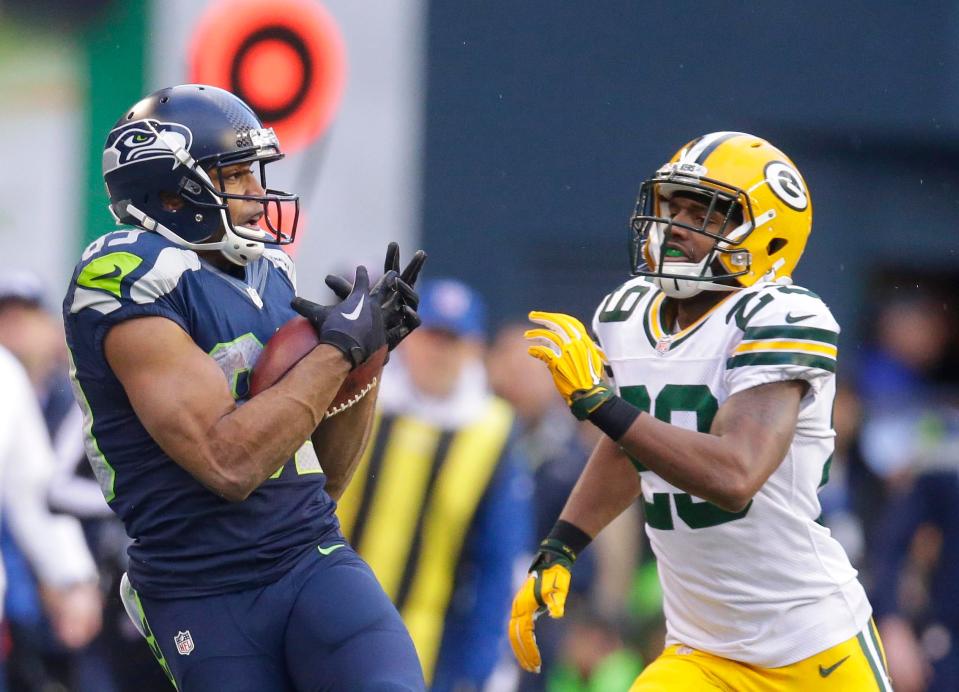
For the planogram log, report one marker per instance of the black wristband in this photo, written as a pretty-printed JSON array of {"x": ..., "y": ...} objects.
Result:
[
  {"x": 614, "y": 417},
  {"x": 570, "y": 535}
]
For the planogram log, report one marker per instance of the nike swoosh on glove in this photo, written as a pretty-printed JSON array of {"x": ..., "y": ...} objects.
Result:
[
  {"x": 398, "y": 300},
  {"x": 355, "y": 326}
]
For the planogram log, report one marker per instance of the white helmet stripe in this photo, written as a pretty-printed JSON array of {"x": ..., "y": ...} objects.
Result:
[{"x": 706, "y": 145}]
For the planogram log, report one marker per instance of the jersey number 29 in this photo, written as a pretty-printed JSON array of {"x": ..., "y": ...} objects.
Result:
[{"x": 697, "y": 399}]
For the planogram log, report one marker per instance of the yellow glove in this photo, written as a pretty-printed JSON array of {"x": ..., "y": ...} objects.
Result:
[
  {"x": 574, "y": 361},
  {"x": 544, "y": 591}
]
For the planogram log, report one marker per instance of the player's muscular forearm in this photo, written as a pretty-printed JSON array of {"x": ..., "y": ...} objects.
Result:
[
  {"x": 181, "y": 397},
  {"x": 340, "y": 442},
  {"x": 262, "y": 434},
  {"x": 748, "y": 440},
  {"x": 608, "y": 485}
]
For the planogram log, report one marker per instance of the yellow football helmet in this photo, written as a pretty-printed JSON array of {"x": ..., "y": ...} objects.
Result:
[{"x": 765, "y": 203}]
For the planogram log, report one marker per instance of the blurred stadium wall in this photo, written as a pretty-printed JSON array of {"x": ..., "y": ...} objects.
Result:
[
  {"x": 42, "y": 126},
  {"x": 543, "y": 118},
  {"x": 510, "y": 138}
]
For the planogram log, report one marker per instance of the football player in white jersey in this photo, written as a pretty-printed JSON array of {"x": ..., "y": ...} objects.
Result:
[{"x": 716, "y": 405}]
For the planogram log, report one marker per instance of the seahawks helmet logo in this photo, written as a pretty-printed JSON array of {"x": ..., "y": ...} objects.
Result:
[
  {"x": 137, "y": 141},
  {"x": 786, "y": 184}
]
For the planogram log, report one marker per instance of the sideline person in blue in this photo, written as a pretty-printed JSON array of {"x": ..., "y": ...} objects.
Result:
[
  {"x": 932, "y": 501},
  {"x": 239, "y": 576}
]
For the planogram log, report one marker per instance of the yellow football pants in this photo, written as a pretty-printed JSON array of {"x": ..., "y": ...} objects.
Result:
[{"x": 856, "y": 665}]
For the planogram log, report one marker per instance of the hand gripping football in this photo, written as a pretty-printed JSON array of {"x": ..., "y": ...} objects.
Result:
[{"x": 294, "y": 340}]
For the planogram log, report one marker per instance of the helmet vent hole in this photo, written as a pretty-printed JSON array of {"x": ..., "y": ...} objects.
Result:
[
  {"x": 129, "y": 115},
  {"x": 164, "y": 99},
  {"x": 775, "y": 245}
]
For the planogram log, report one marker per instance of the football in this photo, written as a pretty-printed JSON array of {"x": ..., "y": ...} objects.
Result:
[{"x": 294, "y": 340}]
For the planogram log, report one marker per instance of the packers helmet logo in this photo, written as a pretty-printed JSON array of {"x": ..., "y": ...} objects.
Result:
[
  {"x": 138, "y": 141},
  {"x": 787, "y": 185}
]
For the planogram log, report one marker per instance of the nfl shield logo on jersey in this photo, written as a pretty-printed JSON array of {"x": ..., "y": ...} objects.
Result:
[
  {"x": 664, "y": 345},
  {"x": 184, "y": 643}
]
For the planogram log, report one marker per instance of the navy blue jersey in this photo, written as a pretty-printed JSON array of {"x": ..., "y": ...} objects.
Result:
[{"x": 187, "y": 540}]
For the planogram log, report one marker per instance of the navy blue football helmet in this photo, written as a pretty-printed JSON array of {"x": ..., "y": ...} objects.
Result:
[{"x": 175, "y": 143}]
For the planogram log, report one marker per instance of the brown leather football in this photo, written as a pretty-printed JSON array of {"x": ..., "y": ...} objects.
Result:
[{"x": 294, "y": 340}]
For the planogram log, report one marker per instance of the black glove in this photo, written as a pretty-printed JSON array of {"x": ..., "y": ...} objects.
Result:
[
  {"x": 397, "y": 296},
  {"x": 355, "y": 326}
]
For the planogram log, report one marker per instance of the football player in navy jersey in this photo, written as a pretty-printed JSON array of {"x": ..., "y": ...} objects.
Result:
[{"x": 239, "y": 577}]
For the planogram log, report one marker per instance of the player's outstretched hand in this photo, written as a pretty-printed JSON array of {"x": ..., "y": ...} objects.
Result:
[
  {"x": 355, "y": 326},
  {"x": 544, "y": 591},
  {"x": 573, "y": 359},
  {"x": 398, "y": 298}
]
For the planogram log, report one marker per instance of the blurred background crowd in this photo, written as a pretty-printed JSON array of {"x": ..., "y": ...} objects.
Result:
[{"x": 508, "y": 141}]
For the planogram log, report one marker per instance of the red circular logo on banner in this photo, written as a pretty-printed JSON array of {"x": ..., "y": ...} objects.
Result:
[{"x": 283, "y": 57}]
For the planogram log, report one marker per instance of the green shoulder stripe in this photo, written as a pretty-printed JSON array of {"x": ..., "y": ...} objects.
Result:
[
  {"x": 825, "y": 336},
  {"x": 781, "y": 358},
  {"x": 107, "y": 272}
]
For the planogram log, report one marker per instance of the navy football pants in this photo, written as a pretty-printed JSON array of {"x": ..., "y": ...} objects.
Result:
[{"x": 326, "y": 625}]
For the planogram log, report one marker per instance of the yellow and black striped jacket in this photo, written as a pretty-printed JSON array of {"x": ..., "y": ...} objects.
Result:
[{"x": 411, "y": 505}]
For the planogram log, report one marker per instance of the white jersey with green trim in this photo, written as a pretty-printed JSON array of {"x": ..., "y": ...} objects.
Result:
[{"x": 767, "y": 585}]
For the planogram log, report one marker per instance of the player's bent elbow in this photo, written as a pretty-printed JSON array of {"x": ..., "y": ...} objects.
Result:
[
  {"x": 234, "y": 486},
  {"x": 226, "y": 482},
  {"x": 726, "y": 497},
  {"x": 334, "y": 489},
  {"x": 734, "y": 503},
  {"x": 735, "y": 494},
  {"x": 233, "y": 492},
  {"x": 227, "y": 469},
  {"x": 737, "y": 484}
]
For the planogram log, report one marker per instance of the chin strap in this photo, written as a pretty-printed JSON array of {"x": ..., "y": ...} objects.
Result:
[
  {"x": 239, "y": 250},
  {"x": 679, "y": 287},
  {"x": 236, "y": 249}
]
